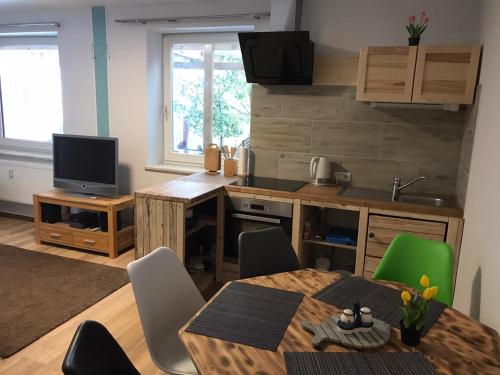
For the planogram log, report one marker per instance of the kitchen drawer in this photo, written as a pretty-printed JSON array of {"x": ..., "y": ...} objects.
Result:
[
  {"x": 408, "y": 225},
  {"x": 91, "y": 241},
  {"x": 368, "y": 275},
  {"x": 385, "y": 236},
  {"x": 56, "y": 235},
  {"x": 371, "y": 264},
  {"x": 376, "y": 249}
]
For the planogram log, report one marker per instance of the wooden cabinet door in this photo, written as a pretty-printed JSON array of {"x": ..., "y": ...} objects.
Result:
[
  {"x": 385, "y": 74},
  {"x": 446, "y": 74}
]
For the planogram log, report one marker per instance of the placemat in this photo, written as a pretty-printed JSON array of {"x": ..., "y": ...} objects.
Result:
[
  {"x": 358, "y": 363},
  {"x": 248, "y": 314},
  {"x": 383, "y": 301}
]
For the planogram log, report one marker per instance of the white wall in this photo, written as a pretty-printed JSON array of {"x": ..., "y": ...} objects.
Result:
[
  {"x": 345, "y": 25},
  {"x": 477, "y": 285},
  {"x": 132, "y": 102}
]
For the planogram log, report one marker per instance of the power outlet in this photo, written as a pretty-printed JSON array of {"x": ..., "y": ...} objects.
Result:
[
  {"x": 342, "y": 178},
  {"x": 11, "y": 174}
]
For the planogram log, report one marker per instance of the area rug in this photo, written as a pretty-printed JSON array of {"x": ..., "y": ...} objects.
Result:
[{"x": 39, "y": 292}]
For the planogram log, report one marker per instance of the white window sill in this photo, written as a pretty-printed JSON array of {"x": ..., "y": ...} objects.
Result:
[
  {"x": 25, "y": 155},
  {"x": 179, "y": 169}
]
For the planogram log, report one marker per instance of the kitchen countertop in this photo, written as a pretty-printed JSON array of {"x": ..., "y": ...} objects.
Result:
[
  {"x": 192, "y": 188},
  {"x": 187, "y": 189}
]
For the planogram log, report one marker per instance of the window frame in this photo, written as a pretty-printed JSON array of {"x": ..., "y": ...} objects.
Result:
[
  {"x": 170, "y": 157},
  {"x": 21, "y": 145}
]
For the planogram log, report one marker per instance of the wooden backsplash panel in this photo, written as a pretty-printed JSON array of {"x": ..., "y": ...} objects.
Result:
[{"x": 290, "y": 124}]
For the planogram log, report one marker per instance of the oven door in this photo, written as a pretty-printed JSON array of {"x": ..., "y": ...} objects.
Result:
[{"x": 238, "y": 222}]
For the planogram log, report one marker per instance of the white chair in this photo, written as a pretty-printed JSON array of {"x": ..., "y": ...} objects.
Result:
[{"x": 166, "y": 298}]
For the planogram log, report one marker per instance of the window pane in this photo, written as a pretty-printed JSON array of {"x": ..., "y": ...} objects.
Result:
[
  {"x": 187, "y": 91},
  {"x": 30, "y": 81},
  {"x": 231, "y": 96}
]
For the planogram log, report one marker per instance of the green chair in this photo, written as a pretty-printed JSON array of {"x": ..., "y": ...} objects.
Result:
[{"x": 409, "y": 257}]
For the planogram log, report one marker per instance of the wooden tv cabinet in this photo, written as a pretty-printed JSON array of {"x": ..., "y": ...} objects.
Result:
[{"x": 110, "y": 242}]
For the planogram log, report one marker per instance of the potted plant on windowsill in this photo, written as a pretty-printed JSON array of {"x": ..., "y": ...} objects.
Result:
[
  {"x": 414, "y": 311},
  {"x": 416, "y": 29}
]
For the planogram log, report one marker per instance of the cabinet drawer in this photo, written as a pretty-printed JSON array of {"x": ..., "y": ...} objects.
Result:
[
  {"x": 91, "y": 241},
  {"x": 371, "y": 264},
  {"x": 376, "y": 249},
  {"x": 407, "y": 225},
  {"x": 368, "y": 275},
  {"x": 56, "y": 235},
  {"x": 385, "y": 236}
]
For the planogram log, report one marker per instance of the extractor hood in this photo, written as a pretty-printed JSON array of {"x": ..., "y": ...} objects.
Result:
[{"x": 278, "y": 58}]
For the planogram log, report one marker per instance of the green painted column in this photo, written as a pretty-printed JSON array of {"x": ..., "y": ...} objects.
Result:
[{"x": 101, "y": 69}]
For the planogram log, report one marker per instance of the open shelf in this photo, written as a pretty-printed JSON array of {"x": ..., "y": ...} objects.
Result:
[
  {"x": 202, "y": 223},
  {"x": 331, "y": 244},
  {"x": 65, "y": 226}
]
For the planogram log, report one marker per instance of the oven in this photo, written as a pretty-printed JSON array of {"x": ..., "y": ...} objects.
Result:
[{"x": 248, "y": 214}]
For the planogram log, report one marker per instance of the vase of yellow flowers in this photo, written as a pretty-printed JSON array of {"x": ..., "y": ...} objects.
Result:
[{"x": 414, "y": 310}]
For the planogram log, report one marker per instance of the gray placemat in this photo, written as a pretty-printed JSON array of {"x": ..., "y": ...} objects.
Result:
[
  {"x": 383, "y": 301},
  {"x": 358, "y": 363},
  {"x": 248, "y": 314}
]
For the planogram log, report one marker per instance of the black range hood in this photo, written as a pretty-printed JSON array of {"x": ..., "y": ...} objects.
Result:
[{"x": 278, "y": 58}]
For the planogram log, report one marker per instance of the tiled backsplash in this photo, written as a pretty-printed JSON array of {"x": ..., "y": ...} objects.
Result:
[{"x": 291, "y": 124}]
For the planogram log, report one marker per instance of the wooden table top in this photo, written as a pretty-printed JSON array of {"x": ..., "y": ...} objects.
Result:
[
  {"x": 455, "y": 344},
  {"x": 60, "y": 195}
]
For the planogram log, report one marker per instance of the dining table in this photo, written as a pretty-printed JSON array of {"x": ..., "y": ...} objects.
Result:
[{"x": 455, "y": 344}]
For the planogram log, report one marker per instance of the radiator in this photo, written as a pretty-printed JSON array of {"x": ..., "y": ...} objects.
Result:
[{"x": 19, "y": 180}]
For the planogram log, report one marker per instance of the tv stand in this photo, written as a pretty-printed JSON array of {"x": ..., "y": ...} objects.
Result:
[
  {"x": 83, "y": 195},
  {"x": 109, "y": 242}
]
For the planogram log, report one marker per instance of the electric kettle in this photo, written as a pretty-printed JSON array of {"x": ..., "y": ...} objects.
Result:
[{"x": 321, "y": 173}]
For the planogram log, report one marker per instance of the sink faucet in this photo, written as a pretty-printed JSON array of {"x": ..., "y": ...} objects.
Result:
[{"x": 396, "y": 188}]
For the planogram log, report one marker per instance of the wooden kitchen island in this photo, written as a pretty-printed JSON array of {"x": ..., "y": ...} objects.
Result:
[{"x": 161, "y": 217}]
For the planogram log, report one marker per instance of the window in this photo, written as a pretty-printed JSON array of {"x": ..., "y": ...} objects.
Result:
[
  {"x": 30, "y": 91},
  {"x": 207, "y": 96}
]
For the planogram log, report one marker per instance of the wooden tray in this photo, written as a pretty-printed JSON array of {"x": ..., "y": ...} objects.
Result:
[{"x": 327, "y": 332}]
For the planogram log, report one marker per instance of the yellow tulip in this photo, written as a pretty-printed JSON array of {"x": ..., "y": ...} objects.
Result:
[
  {"x": 424, "y": 281},
  {"x": 428, "y": 294},
  {"x": 406, "y": 297},
  {"x": 435, "y": 290}
]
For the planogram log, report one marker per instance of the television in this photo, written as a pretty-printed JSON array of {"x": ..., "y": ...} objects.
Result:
[
  {"x": 278, "y": 58},
  {"x": 86, "y": 165}
]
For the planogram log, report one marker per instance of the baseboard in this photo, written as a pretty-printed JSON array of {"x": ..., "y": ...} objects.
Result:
[{"x": 20, "y": 210}]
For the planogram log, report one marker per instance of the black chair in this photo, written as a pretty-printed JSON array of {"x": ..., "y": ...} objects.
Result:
[
  {"x": 94, "y": 351},
  {"x": 266, "y": 251}
]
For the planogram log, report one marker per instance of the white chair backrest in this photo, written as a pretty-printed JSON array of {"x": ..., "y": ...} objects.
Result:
[{"x": 165, "y": 294}]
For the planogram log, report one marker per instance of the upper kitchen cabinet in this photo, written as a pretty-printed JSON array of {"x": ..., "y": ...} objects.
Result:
[
  {"x": 424, "y": 74},
  {"x": 386, "y": 74},
  {"x": 446, "y": 74}
]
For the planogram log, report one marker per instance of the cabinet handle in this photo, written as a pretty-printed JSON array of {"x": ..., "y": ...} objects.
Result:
[
  {"x": 89, "y": 242},
  {"x": 55, "y": 235},
  {"x": 371, "y": 234}
]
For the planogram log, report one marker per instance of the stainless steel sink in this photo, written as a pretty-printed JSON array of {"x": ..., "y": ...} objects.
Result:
[{"x": 427, "y": 201}]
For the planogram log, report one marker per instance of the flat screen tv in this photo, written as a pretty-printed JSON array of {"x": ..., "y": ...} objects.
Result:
[
  {"x": 86, "y": 165},
  {"x": 278, "y": 58}
]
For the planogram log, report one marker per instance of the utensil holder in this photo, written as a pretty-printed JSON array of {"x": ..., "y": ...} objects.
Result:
[
  {"x": 230, "y": 167},
  {"x": 212, "y": 160}
]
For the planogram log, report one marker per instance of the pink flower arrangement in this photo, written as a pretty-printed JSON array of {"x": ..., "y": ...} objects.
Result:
[{"x": 416, "y": 29}]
